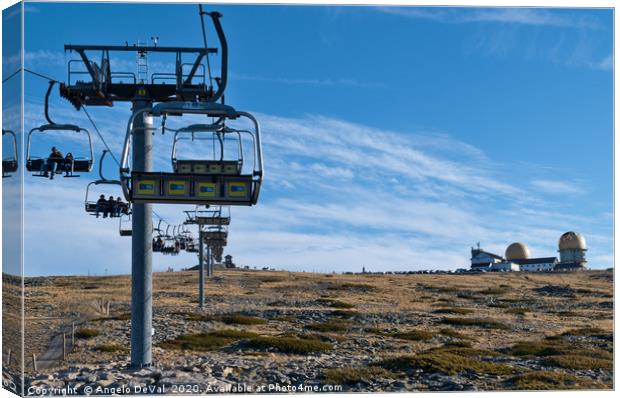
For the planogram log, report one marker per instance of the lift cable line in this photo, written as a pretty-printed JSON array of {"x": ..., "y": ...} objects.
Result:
[
  {"x": 12, "y": 75},
  {"x": 51, "y": 79},
  {"x": 99, "y": 134}
]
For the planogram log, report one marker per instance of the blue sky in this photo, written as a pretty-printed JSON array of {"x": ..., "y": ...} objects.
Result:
[{"x": 394, "y": 137}]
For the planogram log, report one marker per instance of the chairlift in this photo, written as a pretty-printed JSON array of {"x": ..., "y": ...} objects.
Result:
[
  {"x": 195, "y": 185},
  {"x": 163, "y": 236},
  {"x": 70, "y": 165},
  {"x": 114, "y": 209},
  {"x": 9, "y": 165},
  {"x": 184, "y": 236},
  {"x": 215, "y": 236},
  {"x": 217, "y": 252},
  {"x": 124, "y": 225},
  {"x": 190, "y": 246},
  {"x": 218, "y": 215}
]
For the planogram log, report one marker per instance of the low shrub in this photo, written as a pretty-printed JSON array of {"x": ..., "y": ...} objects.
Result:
[
  {"x": 453, "y": 333},
  {"x": 86, "y": 333},
  {"x": 579, "y": 362},
  {"x": 207, "y": 341},
  {"x": 112, "y": 347},
  {"x": 453, "y": 310},
  {"x": 237, "y": 319},
  {"x": 590, "y": 332},
  {"x": 289, "y": 345},
  {"x": 545, "y": 380},
  {"x": 347, "y": 314},
  {"x": 478, "y": 322},
  {"x": 351, "y": 376},
  {"x": 443, "y": 361},
  {"x": 414, "y": 335}
]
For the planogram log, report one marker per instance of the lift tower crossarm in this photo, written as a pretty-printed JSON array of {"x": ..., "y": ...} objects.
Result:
[
  {"x": 95, "y": 47},
  {"x": 102, "y": 90}
]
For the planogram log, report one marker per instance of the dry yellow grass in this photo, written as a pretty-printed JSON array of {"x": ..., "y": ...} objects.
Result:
[{"x": 281, "y": 299}]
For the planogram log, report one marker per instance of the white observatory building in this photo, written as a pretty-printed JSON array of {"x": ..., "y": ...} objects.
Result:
[{"x": 572, "y": 249}]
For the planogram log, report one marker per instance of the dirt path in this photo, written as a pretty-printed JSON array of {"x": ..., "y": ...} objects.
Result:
[{"x": 52, "y": 357}]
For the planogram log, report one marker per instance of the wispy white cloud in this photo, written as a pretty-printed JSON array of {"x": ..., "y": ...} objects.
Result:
[
  {"x": 338, "y": 196},
  {"x": 310, "y": 81},
  {"x": 522, "y": 16},
  {"x": 558, "y": 187},
  {"x": 47, "y": 57},
  {"x": 605, "y": 64}
]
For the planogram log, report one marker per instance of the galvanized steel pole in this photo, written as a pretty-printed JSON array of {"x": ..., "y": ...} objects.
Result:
[
  {"x": 201, "y": 270},
  {"x": 142, "y": 246},
  {"x": 209, "y": 262}
]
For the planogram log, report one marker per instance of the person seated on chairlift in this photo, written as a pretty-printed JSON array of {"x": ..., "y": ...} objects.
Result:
[
  {"x": 102, "y": 207},
  {"x": 111, "y": 206},
  {"x": 158, "y": 244},
  {"x": 120, "y": 207},
  {"x": 51, "y": 164},
  {"x": 68, "y": 163}
]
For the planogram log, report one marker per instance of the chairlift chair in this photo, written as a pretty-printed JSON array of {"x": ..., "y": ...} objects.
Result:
[
  {"x": 215, "y": 235},
  {"x": 91, "y": 206},
  {"x": 217, "y": 251},
  {"x": 218, "y": 215},
  {"x": 9, "y": 165},
  {"x": 39, "y": 165},
  {"x": 124, "y": 225},
  {"x": 194, "y": 186},
  {"x": 160, "y": 236}
]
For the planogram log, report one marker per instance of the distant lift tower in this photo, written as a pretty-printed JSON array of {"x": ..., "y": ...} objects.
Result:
[
  {"x": 213, "y": 216},
  {"x": 185, "y": 90}
]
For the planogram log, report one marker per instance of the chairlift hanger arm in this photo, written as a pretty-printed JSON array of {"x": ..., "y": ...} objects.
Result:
[
  {"x": 14, "y": 138},
  {"x": 215, "y": 17}
]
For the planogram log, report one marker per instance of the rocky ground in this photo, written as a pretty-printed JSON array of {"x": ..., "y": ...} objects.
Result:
[{"x": 280, "y": 331}]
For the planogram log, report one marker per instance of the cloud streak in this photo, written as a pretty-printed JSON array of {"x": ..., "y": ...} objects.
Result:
[
  {"x": 519, "y": 16},
  {"x": 338, "y": 196},
  {"x": 346, "y": 82},
  {"x": 557, "y": 187}
]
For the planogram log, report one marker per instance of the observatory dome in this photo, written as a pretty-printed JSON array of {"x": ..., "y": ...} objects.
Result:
[
  {"x": 517, "y": 251},
  {"x": 572, "y": 241}
]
